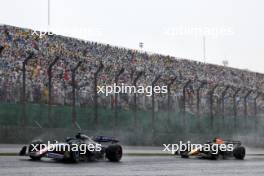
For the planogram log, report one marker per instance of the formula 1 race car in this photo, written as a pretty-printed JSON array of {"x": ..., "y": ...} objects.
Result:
[
  {"x": 79, "y": 148},
  {"x": 216, "y": 149}
]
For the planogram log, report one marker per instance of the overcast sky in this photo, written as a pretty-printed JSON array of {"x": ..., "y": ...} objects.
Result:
[{"x": 233, "y": 29}]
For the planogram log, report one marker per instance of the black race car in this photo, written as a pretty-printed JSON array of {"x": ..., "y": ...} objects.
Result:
[{"x": 79, "y": 148}]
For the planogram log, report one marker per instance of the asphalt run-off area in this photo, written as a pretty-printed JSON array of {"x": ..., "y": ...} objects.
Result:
[{"x": 136, "y": 161}]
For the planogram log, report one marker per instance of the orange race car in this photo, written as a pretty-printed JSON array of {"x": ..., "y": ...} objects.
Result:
[{"x": 217, "y": 148}]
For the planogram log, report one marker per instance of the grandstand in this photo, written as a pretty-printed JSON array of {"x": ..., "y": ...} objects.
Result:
[{"x": 195, "y": 88}]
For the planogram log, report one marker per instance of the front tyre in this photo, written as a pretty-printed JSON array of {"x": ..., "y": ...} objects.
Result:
[
  {"x": 114, "y": 153},
  {"x": 239, "y": 152}
]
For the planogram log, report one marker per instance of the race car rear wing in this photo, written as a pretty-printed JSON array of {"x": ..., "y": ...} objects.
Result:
[
  {"x": 23, "y": 151},
  {"x": 105, "y": 139}
]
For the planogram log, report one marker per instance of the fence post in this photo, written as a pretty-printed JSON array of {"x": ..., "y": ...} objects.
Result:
[
  {"x": 74, "y": 119},
  {"x": 135, "y": 98},
  {"x": 96, "y": 95},
  {"x": 50, "y": 99},
  {"x": 234, "y": 101},
  {"x": 153, "y": 104},
  {"x": 235, "y": 106},
  {"x": 1, "y": 49},
  {"x": 223, "y": 100},
  {"x": 116, "y": 97},
  {"x": 198, "y": 97},
  {"x": 184, "y": 96},
  {"x": 169, "y": 98},
  {"x": 211, "y": 94},
  {"x": 245, "y": 102},
  {"x": 23, "y": 98},
  {"x": 255, "y": 104}
]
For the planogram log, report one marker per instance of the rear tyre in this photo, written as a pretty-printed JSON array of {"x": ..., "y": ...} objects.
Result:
[
  {"x": 114, "y": 153},
  {"x": 74, "y": 156},
  {"x": 214, "y": 156},
  {"x": 184, "y": 153},
  {"x": 239, "y": 152}
]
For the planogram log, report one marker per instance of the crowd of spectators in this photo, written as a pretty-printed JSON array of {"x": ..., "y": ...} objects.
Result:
[{"x": 17, "y": 43}]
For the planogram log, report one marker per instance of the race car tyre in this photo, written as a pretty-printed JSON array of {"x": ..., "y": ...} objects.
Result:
[
  {"x": 75, "y": 156},
  {"x": 35, "y": 158},
  {"x": 239, "y": 152},
  {"x": 114, "y": 153},
  {"x": 176, "y": 152},
  {"x": 32, "y": 147},
  {"x": 214, "y": 156},
  {"x": 184, "y": 154}
]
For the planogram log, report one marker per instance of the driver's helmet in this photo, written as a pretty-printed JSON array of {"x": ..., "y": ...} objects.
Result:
[
  {"x": 81, "y": 136},
  {"x": 69, "y": 138},
  {"x": 218, "y": 140}
]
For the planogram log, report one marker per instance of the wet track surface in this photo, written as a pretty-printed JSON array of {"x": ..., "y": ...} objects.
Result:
[{"x": 133, "y": 165}]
